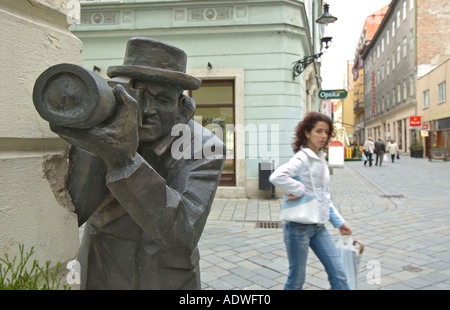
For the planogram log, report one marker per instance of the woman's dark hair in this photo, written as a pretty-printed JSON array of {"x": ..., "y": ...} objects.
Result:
[{"x": 306, "y": 125}]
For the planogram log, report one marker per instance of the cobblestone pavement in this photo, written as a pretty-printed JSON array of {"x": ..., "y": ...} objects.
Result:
[{"x": 400, "y": 211}]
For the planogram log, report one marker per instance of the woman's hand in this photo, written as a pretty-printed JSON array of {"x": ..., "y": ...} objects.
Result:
[
  {"x": 345, "y": 230},
  {"x": 291, "y": 197}
]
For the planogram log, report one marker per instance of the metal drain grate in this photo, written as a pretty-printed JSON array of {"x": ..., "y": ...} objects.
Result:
[
  {"x": 392, "y": 196},
  {"x": 269, "y": 224},
  {"x": 411, "y": 268}
]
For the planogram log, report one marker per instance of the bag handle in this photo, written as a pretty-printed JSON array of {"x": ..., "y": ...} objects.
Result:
[
  {"x": 361, "y": 246},
  {"x": 350, "y": 245}
]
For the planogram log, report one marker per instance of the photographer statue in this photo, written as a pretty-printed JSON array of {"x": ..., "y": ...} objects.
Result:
[{"x": 144, "y": 208}]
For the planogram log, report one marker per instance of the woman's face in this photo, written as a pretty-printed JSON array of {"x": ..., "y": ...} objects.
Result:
[{"x": 318, "y": 136}]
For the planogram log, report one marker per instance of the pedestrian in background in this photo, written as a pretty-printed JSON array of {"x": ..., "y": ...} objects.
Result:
[
  {"x": 380, "y": 149},
  {"x": 311, "y": 136},
  {"x": 392, "y": 149},
  {"x": 369, "y": 148}
]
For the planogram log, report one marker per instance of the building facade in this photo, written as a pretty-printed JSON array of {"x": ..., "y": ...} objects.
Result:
[
  {"x": 433, "y": 50},
  {"x": 434, "y": 108},
  {"x": 390, "y": 74},
  {"x": 410, "y": 39},
  {"x": 371, "y": 25},
  {"x": 242, "y": 50}
]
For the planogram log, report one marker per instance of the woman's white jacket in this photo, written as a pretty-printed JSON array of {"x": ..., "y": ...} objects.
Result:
[
  {"x": 392, "y": 148},
  {"x": 298, "y": 165}
]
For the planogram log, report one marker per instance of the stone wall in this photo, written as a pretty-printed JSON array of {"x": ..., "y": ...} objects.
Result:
[{"x": 34, "y": 208}]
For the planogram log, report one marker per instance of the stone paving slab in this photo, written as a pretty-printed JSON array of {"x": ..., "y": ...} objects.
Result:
[{"x": 400, "y": 211}]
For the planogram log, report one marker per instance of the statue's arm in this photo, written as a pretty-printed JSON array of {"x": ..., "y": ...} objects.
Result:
[
  {"x": 174, "y": 217},
  {"x": 86, "y": 182}
]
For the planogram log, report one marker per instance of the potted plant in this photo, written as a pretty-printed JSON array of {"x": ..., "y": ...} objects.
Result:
[{"x": 416, "y": 149}]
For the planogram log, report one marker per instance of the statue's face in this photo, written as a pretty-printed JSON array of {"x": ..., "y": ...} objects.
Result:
[{"x": 159, "y": 108}]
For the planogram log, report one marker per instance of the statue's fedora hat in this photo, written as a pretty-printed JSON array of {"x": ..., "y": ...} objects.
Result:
[{"x": 152, "y": 60}]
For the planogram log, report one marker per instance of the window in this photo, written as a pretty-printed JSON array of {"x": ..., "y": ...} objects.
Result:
[
  {"x": 387, "y": 37},
  {"x": 441, "y": 92},
  {"x": 405, "y": 47},
  {"x": 398, "y": 19},
  {"x": 404, "y": 9},
  {"x": 388, "y": 65},
  {"x": 378, "y": 51},
  {"x": 426, "y": 99},
  {"x": 399, "y": 93},
  {"x": 411, "y": 4},
  {"x": 382, "y": 45},
  {"x": 393, "y": 62},
  {"x": 393, "y": 28},
  {"x": 411, "y": 86},
  {"x": 382, "y": 72},
  {"x": 411, "y": 39},
  {"x": 405, "y": 90},
  {"x": 388, "y": 101},
  {"x": 398, "y": 54}
]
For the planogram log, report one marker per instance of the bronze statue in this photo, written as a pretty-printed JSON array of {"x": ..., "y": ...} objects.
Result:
[{"x": 144, "y": 208}]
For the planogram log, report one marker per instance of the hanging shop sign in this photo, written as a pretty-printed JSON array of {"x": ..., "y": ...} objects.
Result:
[
  {"x": 333, "y": 94},
  {"x": 415, "y": 122}
]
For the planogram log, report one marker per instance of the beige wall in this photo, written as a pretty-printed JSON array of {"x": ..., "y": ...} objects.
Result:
[
  {"x": 430, "y": 82},
  {"x": 34, "y": 36}
]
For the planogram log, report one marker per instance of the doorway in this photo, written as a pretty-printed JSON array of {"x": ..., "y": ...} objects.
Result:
[{"x": 215, "y": 109}]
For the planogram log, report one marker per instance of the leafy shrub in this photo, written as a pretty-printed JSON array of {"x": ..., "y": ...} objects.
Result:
[{"x": 17, "y": 277}]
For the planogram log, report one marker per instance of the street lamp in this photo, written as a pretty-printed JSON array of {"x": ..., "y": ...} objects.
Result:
[
  {"x": 300, "y": 65},
  {"x": 326, "y": 17}
]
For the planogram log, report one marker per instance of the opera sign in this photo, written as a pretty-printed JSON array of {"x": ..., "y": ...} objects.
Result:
[{"x": 333, "y": 94}]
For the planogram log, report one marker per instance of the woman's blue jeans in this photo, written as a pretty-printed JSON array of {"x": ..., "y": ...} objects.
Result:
[{"x": 298, "y": 238}]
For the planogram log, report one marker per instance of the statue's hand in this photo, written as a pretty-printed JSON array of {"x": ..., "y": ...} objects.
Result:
[{"x": 116, "y": 140}]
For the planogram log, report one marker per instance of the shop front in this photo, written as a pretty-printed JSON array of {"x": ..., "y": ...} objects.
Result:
[{"x": 438, "y": 137}]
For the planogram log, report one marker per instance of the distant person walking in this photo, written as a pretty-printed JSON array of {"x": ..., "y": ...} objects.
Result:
[
  {"x": 380, "y": 149},
  {"x": 369, "y": 148},
  {"x": 392, "y": 149}
]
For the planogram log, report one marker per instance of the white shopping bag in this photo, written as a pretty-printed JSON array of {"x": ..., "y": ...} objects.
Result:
[
  {"x": 385, "y": 157},
  {"x": 350, "y": 256}
]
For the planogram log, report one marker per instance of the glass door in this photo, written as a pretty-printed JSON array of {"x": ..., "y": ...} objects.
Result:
[{"x": 215, "y": 110}]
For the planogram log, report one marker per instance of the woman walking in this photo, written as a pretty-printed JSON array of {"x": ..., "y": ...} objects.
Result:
[
  {"x": 309, "y": 164},
  {"x": 392, "y": 149},
  {"x": 369, "y": 148}
]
